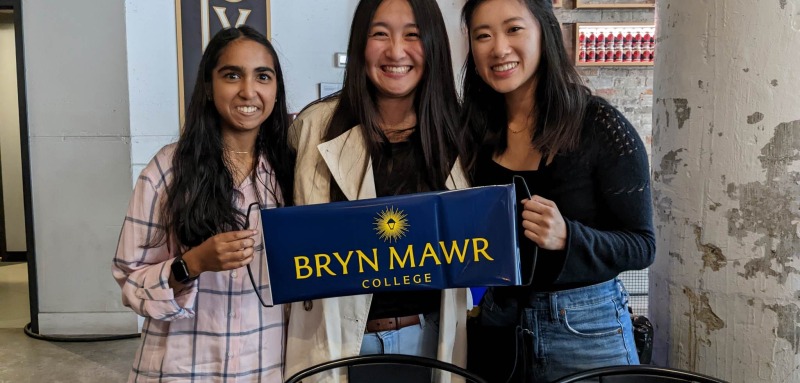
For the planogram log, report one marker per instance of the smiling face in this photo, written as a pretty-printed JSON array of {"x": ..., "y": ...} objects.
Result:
[
  {"x": 394, "y": 54},
  {"x": 244, "y": 86},
  {"x": 506, "y": 40}
]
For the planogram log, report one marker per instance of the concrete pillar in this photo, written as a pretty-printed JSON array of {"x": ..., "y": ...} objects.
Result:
[{"x": 725, "y": 288}]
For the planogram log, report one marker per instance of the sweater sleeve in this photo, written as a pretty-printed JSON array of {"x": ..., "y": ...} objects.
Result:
[
  {"x": 622, "y": 179},
  {"x": 143, "y": 272}
]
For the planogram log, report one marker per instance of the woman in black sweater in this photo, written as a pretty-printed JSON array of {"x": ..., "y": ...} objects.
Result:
[{"x": 527, "y": 114}]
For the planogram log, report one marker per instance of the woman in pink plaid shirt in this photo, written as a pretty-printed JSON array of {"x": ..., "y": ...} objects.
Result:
[{"x": 187, "y": 237}]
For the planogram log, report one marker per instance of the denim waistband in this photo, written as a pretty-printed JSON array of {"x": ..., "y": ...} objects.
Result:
[{"x": 583, "y": 296}]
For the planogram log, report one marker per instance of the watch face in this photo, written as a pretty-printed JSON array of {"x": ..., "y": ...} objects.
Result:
[{"x": 180, "y": 271}]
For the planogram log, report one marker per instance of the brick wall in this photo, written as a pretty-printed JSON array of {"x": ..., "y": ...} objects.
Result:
[{"x": 630, "y": 89}]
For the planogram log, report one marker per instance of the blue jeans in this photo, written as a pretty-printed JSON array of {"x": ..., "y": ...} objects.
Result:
[
  {"x": 568, "y": 331},
  {"x": 420, "y": 339}
]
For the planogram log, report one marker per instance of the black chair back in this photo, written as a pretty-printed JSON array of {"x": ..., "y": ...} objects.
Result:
[
  {"x": 638, "y": 374},
  {"x": 387, "y": 368}
]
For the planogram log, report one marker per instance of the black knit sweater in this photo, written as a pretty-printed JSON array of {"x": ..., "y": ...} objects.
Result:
[{"x": 603, "y": 192}]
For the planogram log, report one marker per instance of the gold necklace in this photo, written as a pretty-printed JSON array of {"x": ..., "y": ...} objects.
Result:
[
  {"x": 236, "y": 152},
  {"x": 516, "y": 131}
]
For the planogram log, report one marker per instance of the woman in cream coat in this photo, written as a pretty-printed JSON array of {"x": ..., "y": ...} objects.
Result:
[{"x": 391, "y": 130}]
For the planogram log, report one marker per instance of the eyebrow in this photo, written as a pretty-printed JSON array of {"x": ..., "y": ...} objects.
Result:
[
  {"x": 506, "y": 21},
  {"x": 236, "y": 68},
  {"x": 383, "y": 24}
]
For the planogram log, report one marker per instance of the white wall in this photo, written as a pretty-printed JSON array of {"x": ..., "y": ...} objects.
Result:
[
  {"x": 152, "y": 78},
  {"x": 77, "y": 90},
  {"x": 10, "y": 156}
]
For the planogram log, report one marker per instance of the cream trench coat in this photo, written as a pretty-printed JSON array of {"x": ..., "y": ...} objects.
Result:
[{"x": 333, "y": 328}]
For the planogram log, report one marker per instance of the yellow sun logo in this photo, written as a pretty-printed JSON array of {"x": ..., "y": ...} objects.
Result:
[{"x": 391, "y": 224}]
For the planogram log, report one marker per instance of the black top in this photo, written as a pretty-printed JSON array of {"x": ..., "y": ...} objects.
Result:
[
  {"x": 603, "y": 192},
  {"x": 397, "y": 172}
]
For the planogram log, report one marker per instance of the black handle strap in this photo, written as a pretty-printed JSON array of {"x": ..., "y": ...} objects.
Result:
[
  {"x": 249, "y": 271},
  {"x": 535, "y": 247}
]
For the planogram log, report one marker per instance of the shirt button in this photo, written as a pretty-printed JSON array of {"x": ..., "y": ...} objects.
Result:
[
  {"x": 234, "y": 274},
  {"x": 231, "y": 314}
]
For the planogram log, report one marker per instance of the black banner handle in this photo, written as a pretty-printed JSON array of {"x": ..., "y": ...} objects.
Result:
[
  {"x": 249, "y": 271},
  {"x": 535, "y": 246}
]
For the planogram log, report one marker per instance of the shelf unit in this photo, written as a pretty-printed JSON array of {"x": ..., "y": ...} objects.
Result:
[
  {"x": 595, "y": 4},
  {"x": 623, "y": 53}
]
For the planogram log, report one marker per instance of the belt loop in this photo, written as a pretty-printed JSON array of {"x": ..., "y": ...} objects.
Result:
[{"x": 553, "y": 306}]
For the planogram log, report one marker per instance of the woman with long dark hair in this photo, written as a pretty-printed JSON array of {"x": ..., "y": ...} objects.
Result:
[
  {"x": 391, "y": 130},
  {"x": 187, "y": 237},
  {"x": 527, "y": 114}
]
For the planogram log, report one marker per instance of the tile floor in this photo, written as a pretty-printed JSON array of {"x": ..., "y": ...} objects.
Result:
[{"x": 27, "y": 360}]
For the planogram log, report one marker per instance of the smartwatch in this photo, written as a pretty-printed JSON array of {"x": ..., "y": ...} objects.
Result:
[{"x": 181, "y": 272}]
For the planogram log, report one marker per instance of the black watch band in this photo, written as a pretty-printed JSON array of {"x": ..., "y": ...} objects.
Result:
[{"x": 181, "y": 272}]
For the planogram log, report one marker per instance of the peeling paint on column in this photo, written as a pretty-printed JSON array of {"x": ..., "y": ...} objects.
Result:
[
  {"x": 663, "y": 206},
  {"x": 669, "y": 167},
  {"x": 666, "y": 115},
  {"x": 788, "y": 324},
  {"x": 701, "y": 312},
  {"x": 771, "y": 209},
  {"x": 745, "y": 200},
  {"x": 712, "y": 255},
  {"x": 731, "y": 190},
  {"x": 755, "y": 118},
  {"x": 682, "y": 111}
]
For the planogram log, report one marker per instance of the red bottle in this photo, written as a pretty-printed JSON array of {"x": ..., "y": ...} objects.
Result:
[
  {"x": 637, "y": 41},
  {"x": 601, "y": 41}
]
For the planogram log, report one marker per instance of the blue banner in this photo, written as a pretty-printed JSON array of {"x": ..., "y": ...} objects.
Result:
[{"x": 435, "y": 240}]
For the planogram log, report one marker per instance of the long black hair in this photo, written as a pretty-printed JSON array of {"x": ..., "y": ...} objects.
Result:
[
  {"x": 200, "y": 200},
  {"x": 560, "y": 97},
  {"x": 435, "y": 101}
]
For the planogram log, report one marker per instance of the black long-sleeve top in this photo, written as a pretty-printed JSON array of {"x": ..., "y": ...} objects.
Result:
[{"x": 603, "y": 192}]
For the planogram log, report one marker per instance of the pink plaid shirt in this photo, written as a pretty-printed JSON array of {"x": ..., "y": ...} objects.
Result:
[{"x": 214, "y": 330}]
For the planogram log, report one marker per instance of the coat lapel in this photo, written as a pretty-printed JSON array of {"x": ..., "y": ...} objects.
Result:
[{"x": 350, "y": 164}]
